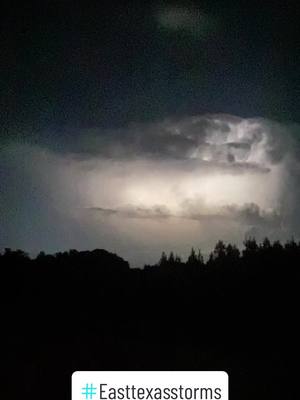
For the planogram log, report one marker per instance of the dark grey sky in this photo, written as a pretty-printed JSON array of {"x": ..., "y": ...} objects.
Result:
[{"x": 110, "y": 63}]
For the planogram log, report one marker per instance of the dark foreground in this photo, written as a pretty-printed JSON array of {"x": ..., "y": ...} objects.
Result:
[{"x": 90, "y": 311}]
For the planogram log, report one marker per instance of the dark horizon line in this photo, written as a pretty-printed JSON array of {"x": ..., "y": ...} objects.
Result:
[{"x": 265, "y": 243}]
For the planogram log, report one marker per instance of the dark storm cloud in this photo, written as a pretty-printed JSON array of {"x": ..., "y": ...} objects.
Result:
[
  {"x": 210, "y": 138},
  {"x": 250, "y": 214},
  {"x": 75, "y": 171},
  {"x": 156, "y": 212},
  {"x": 161, "y": 185}
]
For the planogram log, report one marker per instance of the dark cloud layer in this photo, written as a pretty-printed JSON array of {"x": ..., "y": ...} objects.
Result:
[{"x": 181, "y": 138}]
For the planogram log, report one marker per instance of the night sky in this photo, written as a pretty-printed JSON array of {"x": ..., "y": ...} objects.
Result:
[{"x": 148, "y": 127}]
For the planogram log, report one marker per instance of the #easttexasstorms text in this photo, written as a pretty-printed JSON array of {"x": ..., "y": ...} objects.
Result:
[{"x": 154, "y": 393}]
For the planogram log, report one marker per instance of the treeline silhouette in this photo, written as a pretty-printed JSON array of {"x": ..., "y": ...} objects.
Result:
[{"x": 88, "y": 310}]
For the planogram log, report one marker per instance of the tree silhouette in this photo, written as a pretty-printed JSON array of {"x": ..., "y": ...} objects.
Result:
[{"x": 232, "y": 310}]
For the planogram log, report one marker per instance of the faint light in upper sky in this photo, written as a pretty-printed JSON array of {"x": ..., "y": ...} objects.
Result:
[{"x": 186, "y": 19}]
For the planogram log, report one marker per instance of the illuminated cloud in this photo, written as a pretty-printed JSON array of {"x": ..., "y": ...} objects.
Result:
[{"x": 153, "y": 187}]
